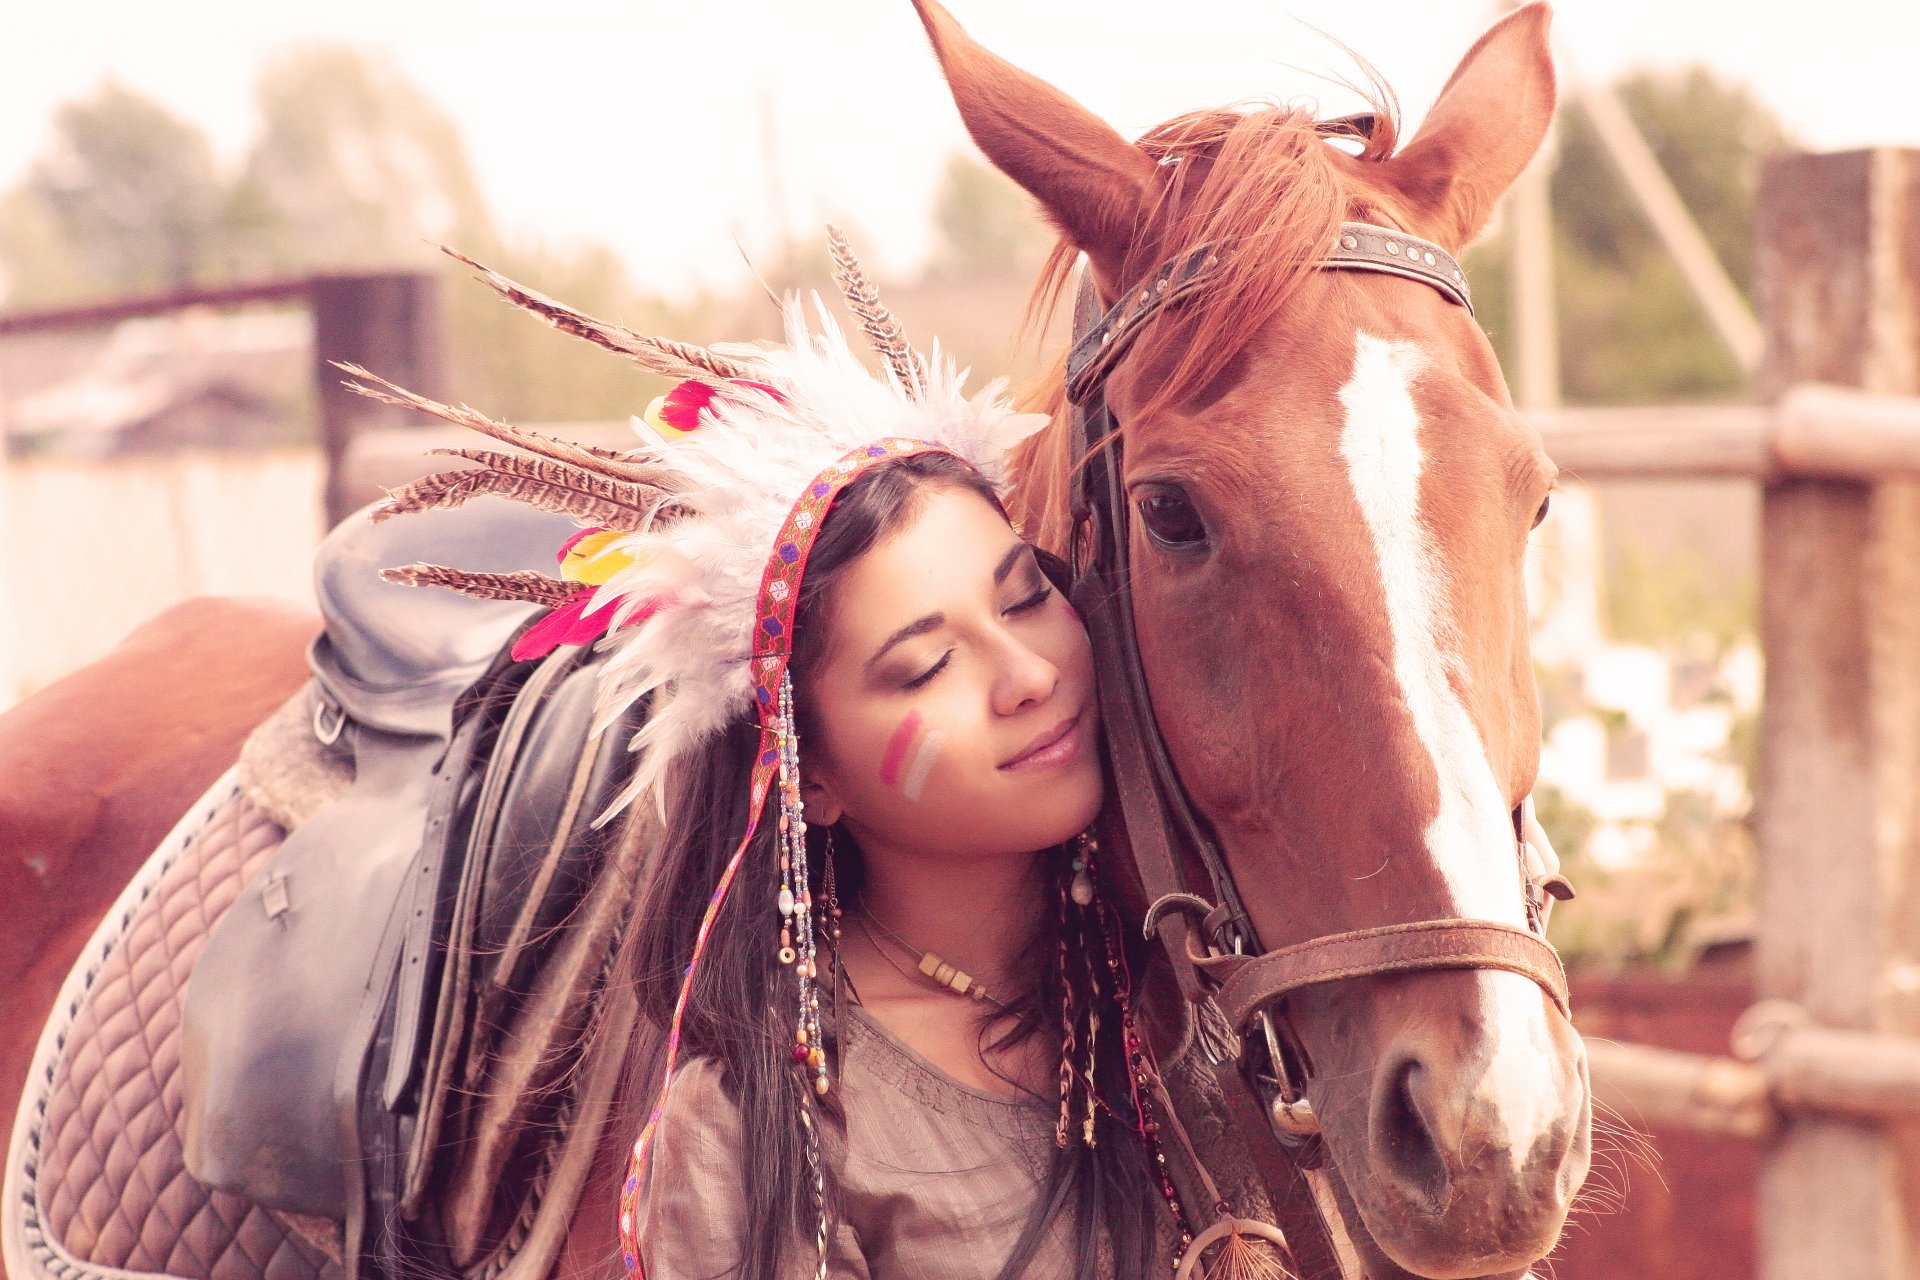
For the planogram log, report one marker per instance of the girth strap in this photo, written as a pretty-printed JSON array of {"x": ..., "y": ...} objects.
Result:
[{"x": 1250, "y": 983}]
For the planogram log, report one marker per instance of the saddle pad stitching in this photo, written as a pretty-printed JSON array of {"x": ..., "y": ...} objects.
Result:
[
  {"x": 51, "y": 1054},
  {"x": 208, "y": 1238}
]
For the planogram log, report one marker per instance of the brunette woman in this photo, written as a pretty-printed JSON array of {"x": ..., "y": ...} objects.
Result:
[{"x": 887, "y": 1030}]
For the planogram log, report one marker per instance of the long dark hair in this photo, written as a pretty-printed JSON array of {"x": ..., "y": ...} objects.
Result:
[{"x": 739, "y": 1010}]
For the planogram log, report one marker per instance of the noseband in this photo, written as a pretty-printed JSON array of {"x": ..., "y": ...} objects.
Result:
[{"x": 1204, "y": 927}]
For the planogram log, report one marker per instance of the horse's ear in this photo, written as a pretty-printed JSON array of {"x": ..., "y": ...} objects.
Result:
[
  {"x": 1482, "y": 132},
  {"x": 1090, "y": 180}
]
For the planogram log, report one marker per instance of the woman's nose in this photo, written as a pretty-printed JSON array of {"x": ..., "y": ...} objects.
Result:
[{"x": 1027, "y": 678}]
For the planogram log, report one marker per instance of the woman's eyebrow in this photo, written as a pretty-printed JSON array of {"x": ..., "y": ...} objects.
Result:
[
  {"x": 918, "y": 627},
  {"x": 1007, "y": 562}
]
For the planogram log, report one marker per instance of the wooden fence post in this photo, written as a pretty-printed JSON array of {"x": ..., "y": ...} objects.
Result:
[
  {"x": 1839, "y": 775},
  {"x": 390, "y": 324}
]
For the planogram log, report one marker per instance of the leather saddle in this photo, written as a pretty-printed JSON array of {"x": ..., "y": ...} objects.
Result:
[{"x": 377, "y": 1032}]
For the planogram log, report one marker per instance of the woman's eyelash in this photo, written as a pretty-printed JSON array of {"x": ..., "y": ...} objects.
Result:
[
  {"x": 931, "y": 671},
  {"x": 1033, "y": 601}
]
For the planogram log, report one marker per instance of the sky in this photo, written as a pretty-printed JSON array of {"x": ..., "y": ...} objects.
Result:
[{"x": 671, "y": 131}]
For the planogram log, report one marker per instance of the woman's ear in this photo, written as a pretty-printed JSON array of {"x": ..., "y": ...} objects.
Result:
[{"x": 819, "y": 802}]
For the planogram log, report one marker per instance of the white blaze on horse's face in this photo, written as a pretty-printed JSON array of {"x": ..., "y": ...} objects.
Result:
[{"x": 1471, "y": 838}]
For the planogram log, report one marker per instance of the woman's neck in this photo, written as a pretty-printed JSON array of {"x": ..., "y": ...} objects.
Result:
[{"x": 979, "y": 916}]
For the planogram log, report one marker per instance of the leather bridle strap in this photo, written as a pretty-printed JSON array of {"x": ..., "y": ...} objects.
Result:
[{"x": 1249, "y": 984}]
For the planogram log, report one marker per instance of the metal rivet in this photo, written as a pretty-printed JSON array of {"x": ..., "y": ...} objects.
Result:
[
  {"x": 1349, "y": 242},
  {"x": 1429, "y": 259},
  {"x": 1393, "y": 248},
  {"x": 1456, "y": 273}
]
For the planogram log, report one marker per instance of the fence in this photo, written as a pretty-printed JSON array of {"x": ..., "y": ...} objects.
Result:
[
  {"x": 1825, "y": 1069},
  {"x": 88, "y": 550}
]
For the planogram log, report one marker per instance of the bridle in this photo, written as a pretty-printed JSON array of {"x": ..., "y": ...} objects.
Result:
[{"x": 1208, "y": 937}]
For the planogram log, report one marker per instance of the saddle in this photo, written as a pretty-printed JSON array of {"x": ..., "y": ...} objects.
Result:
[{"x": 398, "y": 1045}]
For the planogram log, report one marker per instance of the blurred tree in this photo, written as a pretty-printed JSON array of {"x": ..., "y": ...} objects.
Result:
[
  {"x": 1629, "y": 329},
  {"x": 126, "y": 196},
  {"x": 984, "y": 224},
  {"x": 354, "y": 167}
]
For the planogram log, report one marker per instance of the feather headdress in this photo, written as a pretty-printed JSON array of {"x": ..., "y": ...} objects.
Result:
[
  {"x": 691, "y": 556},
  {"x": 690, "y": 518}
]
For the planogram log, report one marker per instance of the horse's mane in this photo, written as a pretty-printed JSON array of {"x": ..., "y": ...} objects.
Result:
[{"x": 1261, "y": 178}]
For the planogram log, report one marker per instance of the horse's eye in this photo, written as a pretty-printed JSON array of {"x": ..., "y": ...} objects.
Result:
[
  {"x": 1170, "y": 520},
  {"x": 1541, "y": 514}
]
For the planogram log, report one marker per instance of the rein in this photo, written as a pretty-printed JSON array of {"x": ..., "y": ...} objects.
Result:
[{"x": 1208, "y": 937}]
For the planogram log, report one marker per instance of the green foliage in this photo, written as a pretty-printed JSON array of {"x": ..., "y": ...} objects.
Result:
[
  {"x": 126, "y": 196},
  {"x": 1697, "y": 875},
  {"x": 984, "y": 224},
  {"x": 354, "y": 167},
  {"x": 1630, "y": 331},
  {"x": 1675, "y": 598}
]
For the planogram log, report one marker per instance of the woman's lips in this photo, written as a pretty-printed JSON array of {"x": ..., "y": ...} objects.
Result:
[{"x": 1058, "y": 746}]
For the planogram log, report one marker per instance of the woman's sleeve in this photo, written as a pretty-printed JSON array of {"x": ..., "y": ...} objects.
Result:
[{"x": 690, "y": 1219}]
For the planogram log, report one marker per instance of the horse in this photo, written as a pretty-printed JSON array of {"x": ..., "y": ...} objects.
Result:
[
  {"x": 1330, "y": 500},
  {"x": 1326, "y": 500},
  {"x": 98, "y": 765}
]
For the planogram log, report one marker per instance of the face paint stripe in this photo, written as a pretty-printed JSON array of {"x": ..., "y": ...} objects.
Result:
[
  {"x": 924, "y": 758},
  {"x": 896, "y": 753}
]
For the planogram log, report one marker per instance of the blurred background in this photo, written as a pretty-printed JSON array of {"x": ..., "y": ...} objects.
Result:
[{"x": 172, "y": 179}]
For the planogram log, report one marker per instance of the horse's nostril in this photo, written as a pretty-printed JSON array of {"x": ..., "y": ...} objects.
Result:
[{"x": 1404, "y": 1141}]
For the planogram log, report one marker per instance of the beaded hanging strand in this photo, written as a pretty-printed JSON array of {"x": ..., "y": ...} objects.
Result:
[
  {"x": 796, "y": 901},
  {"x": 1143, "y": 1078},
  {"x": 1083, "y": 875},
  {"x": 1067, "y": 1019},
  {"x": 797, "y": 949}
]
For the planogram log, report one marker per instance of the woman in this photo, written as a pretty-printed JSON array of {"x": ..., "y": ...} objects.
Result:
[
  {"x": 889, "y": 1015},
  {"x": 948, "y": 765}
]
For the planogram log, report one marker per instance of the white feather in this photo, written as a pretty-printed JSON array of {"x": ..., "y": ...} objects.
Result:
[{"x": 744, "y": 468}]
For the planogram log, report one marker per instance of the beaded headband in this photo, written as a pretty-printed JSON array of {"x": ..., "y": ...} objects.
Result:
[{"x": 689, "y": 570}]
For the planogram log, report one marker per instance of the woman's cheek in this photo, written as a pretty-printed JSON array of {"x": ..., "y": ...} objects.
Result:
[{"x": 913, "y": 750}]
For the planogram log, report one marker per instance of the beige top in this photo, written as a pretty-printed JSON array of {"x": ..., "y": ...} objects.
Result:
[{"x": 937, "y": 1178}]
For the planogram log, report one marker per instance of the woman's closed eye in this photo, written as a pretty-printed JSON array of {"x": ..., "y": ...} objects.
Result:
[
  {"x": 920, "y": 681},
  {"x": 1034, "y": 601},
  {"x": 1040, "y": 595}
]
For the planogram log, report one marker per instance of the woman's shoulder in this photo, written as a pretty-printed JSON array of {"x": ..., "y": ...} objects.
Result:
[{"x": 686, "y": 1208}]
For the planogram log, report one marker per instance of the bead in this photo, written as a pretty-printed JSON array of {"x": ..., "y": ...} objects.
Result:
[
  {"x": 786, "y": 955},
  {"x": 800, "y": 1035},
  {"x": 816, "y": 1057},
  {"x": 820, "y": 1086},
  {"x": 800, "y": 1052},
  {"x": 786, "y": 902},
  {"x": 1082, "y": 889}
]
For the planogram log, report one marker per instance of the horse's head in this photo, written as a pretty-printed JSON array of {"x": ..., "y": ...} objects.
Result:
[{"x": 1332, "y": 496}]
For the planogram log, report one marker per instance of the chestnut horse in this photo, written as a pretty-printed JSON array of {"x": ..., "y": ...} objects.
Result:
[
  {"x": 1333, "y": 497},
  {"x": 1331, "y": 500},
  {"x": 95, "y": 768}
]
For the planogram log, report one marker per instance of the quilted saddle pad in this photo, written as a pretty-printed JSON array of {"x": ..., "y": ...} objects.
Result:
[{"x": 96, "y": 1186}]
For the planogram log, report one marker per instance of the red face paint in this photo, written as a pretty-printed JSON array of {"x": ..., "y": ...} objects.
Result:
[{"x": 896, "y": 755}]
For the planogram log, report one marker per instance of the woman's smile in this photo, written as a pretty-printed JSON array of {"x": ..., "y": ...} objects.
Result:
[{"x": 1061, "y": 745}]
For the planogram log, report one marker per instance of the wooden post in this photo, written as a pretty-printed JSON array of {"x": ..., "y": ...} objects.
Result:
[
  {"x": 390, "y": 324},
  {"x": 1839, "y": 897}
]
